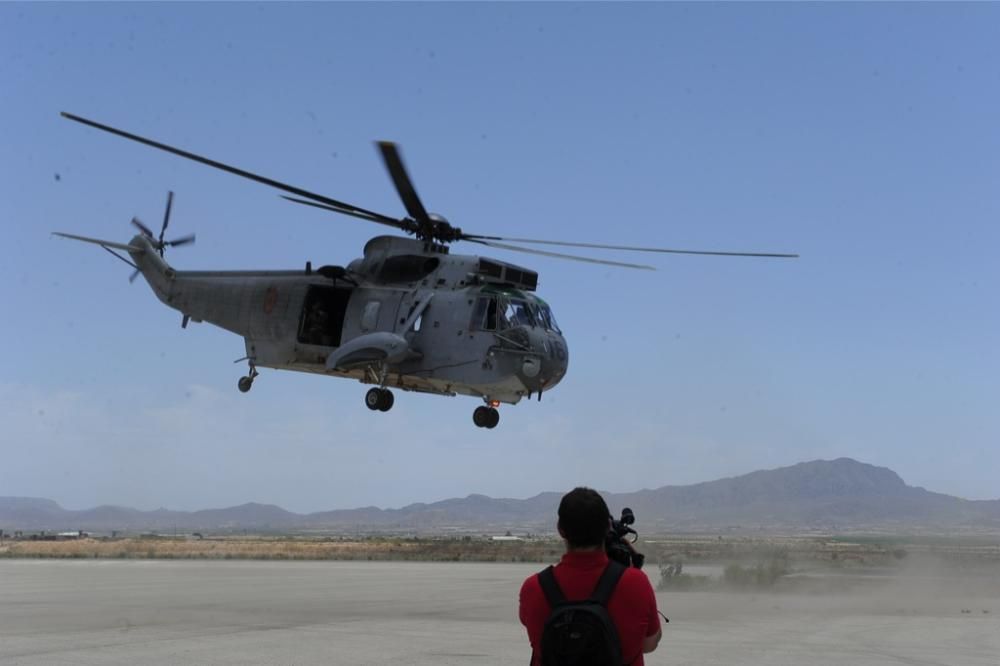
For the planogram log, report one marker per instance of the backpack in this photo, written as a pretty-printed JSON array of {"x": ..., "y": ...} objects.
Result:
[{"x": 581, "y": 633}]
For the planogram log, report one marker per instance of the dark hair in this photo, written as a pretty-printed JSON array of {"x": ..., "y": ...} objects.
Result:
[{"x": 583, "y": 518}]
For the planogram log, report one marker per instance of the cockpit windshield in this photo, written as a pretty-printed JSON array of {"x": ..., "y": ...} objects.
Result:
[
  {"x": 496, "y": 312},
  {"x": 545, "y": 317}
]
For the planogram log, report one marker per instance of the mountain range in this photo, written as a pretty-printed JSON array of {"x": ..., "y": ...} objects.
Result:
[{"x": 840, "y": 495}]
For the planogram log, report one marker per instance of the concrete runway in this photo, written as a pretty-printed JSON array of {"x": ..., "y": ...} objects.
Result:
[{"x": 235, "y": 612}]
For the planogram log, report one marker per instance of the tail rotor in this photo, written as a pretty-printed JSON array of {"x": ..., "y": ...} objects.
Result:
[{"x": 158, "y": 243}]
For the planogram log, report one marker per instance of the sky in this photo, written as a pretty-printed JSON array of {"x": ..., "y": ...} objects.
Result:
[{"x": 862, "y": 136}]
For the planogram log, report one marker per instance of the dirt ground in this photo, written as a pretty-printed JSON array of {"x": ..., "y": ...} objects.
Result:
[{"x": 269, "y": 612}]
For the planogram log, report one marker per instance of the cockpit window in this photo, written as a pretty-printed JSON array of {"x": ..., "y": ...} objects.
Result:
[
  {"x": 484, "y": 315},
  {"x": 517, "y": 313},
  {"x": 496, "y": 312},
  {"x": 492, "y": 312},
  {"x": 545, "y": 318}
]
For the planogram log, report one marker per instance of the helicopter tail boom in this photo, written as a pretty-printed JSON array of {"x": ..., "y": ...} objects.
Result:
[{"x": 154, "y": 268}]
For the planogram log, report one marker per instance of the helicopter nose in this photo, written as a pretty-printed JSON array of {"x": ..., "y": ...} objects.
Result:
[
  {"x": 544, "y": 363},
  {"x": 558, "y": 360},
  {"x": 541, "y": 372}
]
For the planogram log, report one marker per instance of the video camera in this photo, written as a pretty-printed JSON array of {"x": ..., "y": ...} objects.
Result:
[{"x": 619, "y": 548}]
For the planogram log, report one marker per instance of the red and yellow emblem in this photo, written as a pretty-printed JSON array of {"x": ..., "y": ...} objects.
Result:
[{"x": 270, "y": 299}]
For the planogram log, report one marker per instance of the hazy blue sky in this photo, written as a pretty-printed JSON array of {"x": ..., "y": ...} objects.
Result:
[{"x": 864, "y": 136}]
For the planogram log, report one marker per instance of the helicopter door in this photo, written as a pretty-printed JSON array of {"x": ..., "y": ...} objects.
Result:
[{"x": 322, "y": 321}]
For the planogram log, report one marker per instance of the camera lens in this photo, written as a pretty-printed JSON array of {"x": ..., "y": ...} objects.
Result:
[{"x": 627, "y": 516}]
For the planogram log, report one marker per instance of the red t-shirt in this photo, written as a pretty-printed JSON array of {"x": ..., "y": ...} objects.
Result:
[{"x": 632, "y": 605}]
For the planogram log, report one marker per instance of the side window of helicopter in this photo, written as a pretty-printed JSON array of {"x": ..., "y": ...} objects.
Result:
[
  {"x": 478, "y": 313},
  {"x": 484, "y": 314},
  {"x": 492, "y": 312}
]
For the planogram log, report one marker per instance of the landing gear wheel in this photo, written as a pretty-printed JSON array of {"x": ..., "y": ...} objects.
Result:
[
  {"x": 379, "y": 399},
  {"x": 480, "y": 416},
  {"x": 485, "y": 417},
  {"x": 246, "y": 383}
]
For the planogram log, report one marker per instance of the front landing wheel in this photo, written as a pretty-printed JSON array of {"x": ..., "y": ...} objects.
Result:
[
  {"x": 245, "y": 384},
  {"x": 379, "y": 399}
]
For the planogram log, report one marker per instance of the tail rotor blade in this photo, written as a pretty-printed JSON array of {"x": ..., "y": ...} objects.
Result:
[
  {"x": 137, "y": 223},
  {"x": 183, "y": 240},
  {"x": 166, "y": 215}
]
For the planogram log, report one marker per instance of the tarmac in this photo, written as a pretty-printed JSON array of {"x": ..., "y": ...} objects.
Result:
[{"x": 274, "y": 612}]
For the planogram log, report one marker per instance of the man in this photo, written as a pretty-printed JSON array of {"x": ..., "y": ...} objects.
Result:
[{"x": 584, "y": 522}]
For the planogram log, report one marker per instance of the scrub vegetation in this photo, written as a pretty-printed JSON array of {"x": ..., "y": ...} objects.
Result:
[
  {"x": 289, "y": 548},
  {"x": 677, "y": 563}
]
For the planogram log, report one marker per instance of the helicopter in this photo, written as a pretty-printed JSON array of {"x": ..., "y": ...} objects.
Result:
[{"x": 408, "y": 314}]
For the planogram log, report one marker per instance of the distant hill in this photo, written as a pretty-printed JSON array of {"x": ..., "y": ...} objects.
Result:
[
  {"x": 841, "y": 494},
  {"x": 828, "y": 495}
]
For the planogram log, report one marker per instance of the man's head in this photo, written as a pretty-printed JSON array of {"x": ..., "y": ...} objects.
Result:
[{"x": 584, "y": 518}]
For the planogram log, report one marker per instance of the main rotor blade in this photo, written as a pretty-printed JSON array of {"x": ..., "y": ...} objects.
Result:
[
  {"x": 224, "y": 167},
  {"x": 394, "y": 163},
  {"x": 559, "y": 255},
  {"x": 630, "y": 248},
  {"x": 380, "y": 219}
]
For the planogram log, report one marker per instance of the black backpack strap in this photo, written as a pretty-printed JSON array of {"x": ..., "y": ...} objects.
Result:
[
  {"x": 547, "y": 579},
  {"x": 606, "y": 584}
]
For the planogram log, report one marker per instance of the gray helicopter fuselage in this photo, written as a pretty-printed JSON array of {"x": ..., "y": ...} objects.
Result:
[{"x": 407, "y": 314}]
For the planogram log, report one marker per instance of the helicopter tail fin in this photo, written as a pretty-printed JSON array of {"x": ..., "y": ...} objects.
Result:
[
  {"x": 106, "y": 244},
  {"x": 142, "y": 256}
]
